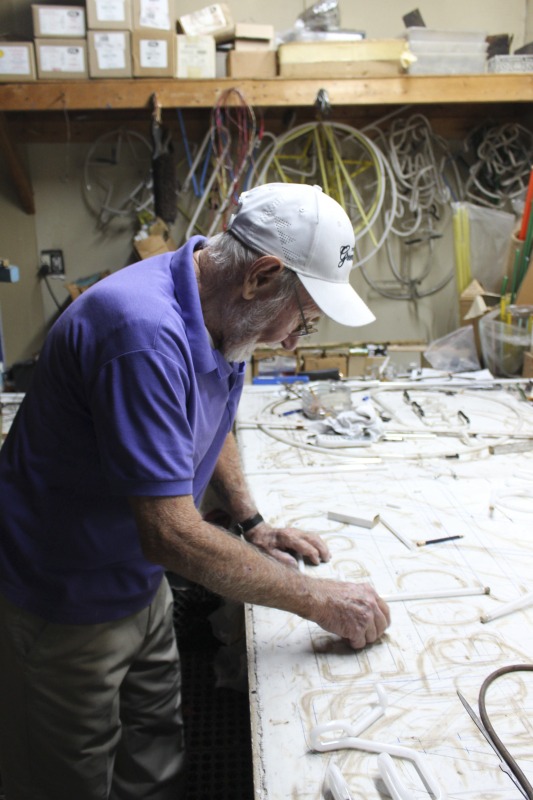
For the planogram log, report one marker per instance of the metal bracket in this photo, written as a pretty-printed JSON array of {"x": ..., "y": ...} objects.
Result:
[{"x": 322, "y": 104}]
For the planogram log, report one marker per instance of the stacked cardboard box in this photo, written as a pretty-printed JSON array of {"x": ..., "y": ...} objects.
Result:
[
  {"x": 253, "y": 54},
  {"x": 109, "y": 15},
  {"x": 199, "y": 35},
  {"x": 214, "y": 20},
  {"x": 109, "y": 38},
  {"x": 17, "y": 62},
  {"x": 60, "y": 43},
  {"x": 109, "y": 54},
  {"x": 140, "y": 39},
  {"x": 153, "y": 38},
  {"x": 195, "y": 56}
]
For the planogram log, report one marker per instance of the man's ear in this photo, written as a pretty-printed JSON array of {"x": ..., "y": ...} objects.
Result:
[{"x": 260, "y": 275}]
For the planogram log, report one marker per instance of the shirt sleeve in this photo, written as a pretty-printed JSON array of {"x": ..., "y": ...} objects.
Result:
[{"x": 141, "y": 408}]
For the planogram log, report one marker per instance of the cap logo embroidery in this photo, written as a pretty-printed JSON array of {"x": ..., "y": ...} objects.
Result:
[{"x": 346, "y": 254}]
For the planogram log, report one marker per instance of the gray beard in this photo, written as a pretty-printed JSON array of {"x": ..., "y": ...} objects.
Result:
[
  {"x": 244, "y": 337},
  {"x": 238, "y": 352}
]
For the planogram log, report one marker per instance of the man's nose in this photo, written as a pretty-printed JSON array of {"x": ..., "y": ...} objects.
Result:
[{"x": 290, "y": 342}]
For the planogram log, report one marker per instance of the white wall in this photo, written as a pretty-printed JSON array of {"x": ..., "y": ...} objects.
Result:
[
  {"x": 63, "y": 221},
  {"x": 529, "y": 21}
]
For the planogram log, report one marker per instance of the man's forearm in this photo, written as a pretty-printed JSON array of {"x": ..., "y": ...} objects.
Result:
[
  {"x": 177, "y": 538},
  {"x": 229, "y": 483},
  {"x": 173, "y": 534}
]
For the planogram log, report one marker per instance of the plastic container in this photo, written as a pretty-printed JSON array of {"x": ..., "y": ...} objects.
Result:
[
  {"x": 448, "y": 48},
  {"x": 520, "y": 63},
  {"x": 502, "y": 345},
  {"x": 325, "y": 399},
  {"x": 448, "y": 64},
  {"x": 455, "y": 39},
  {"x": 447, "y": 52}
]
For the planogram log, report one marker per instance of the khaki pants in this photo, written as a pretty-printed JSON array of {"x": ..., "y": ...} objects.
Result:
[{"x": 91, "y": 712}]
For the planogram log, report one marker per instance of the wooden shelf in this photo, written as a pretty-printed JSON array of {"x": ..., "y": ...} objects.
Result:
[
  {"x": 276, "y": 92},
  {"x": 28, "y": 111}
]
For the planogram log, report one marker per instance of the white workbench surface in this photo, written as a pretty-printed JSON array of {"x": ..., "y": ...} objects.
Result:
[
  {"x": 9, "y": 403},
  {"x": 426, "y": 486}
]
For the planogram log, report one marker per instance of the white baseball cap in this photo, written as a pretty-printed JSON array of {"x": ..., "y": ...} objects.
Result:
[{"x": 312, "y": 235}]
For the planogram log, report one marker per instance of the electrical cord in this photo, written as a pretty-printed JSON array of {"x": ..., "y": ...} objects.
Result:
[
  {"x": 410, "y": 286},
  {"x": 234, "y": 133},
  {"x": 497, "y": 742},
  {"x": 228, "y": 149},
  {"x": 43, "y": 275}
]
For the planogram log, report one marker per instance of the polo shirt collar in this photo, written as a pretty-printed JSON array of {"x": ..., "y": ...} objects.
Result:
[{"x": 205, "y": 358}]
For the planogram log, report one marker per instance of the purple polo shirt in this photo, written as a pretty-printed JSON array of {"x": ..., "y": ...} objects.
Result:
[{"x": 128, "y": 399}]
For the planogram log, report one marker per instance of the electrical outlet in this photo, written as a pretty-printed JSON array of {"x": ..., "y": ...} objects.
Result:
[{"x": 52, "y": 263}]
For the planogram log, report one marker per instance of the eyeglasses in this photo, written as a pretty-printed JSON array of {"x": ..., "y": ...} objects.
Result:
[{"x": 306, "y": 328}]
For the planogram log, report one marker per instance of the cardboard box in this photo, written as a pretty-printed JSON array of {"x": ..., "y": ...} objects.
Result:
[
  {"x": 252, "y": 65},
  {"x": 252, "y": 38},
  {"x": 273, "y": 361},
  {"x": 366, "y": 366},
  {"x": 61, "y": 58},
  {"x": 58, "y": 21},
  {"x": 153, "y": 55},
  {"x": 317, "y": 359},
  {"x": 527, "y": 369},
  {"x": 195, "y": 56},
  {"x": 154, "y": 15},
  {"x": 405, "y": 356},
  {"x": 474, "y": 303},
  {"x": 17, "y": 61},
  {"x": 252, "y": 45},
  {"x": 77, "y": 288},
  {"x": 109, "y": 54},
  {"x": 349, "y": 59},
  {"x": 252, "y": 30},
  {"x": 154, "y": 239},
  {"x": 109, "y": 15},
  {"x": 214, "y": 20},
  {"x": 324, "y": 362}
]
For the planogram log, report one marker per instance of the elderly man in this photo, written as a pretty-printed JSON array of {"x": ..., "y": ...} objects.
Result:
[{"x": 127, "y": 420}]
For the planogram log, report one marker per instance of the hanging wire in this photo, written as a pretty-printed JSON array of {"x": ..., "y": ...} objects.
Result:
[
  {"x": 348, "y": 166},
  {"x": 502, "y": 157},
  {"x": 233, "y": 135},
  {"x": 188, "y": 156},
  {"x": 203, "y": 152},
  {"x": 117, "y": 176},
  {"x": 397, "y": 182},
  {"x": 424, "y": 169},
  {"x": 427, "y": 179},
  {"x": 227, "y": 154}
]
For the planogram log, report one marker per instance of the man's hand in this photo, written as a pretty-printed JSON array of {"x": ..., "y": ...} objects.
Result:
[
  {"x": 280, "y": 543},
  {"x": 172, "y": 533},
  {"x": 353, "y": 611}
]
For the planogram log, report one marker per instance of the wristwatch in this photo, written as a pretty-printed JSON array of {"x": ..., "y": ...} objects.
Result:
[{"x": 247, "y": 524}]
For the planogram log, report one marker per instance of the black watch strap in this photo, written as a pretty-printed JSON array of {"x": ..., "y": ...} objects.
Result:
[{"x": 248, "y": 524}]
